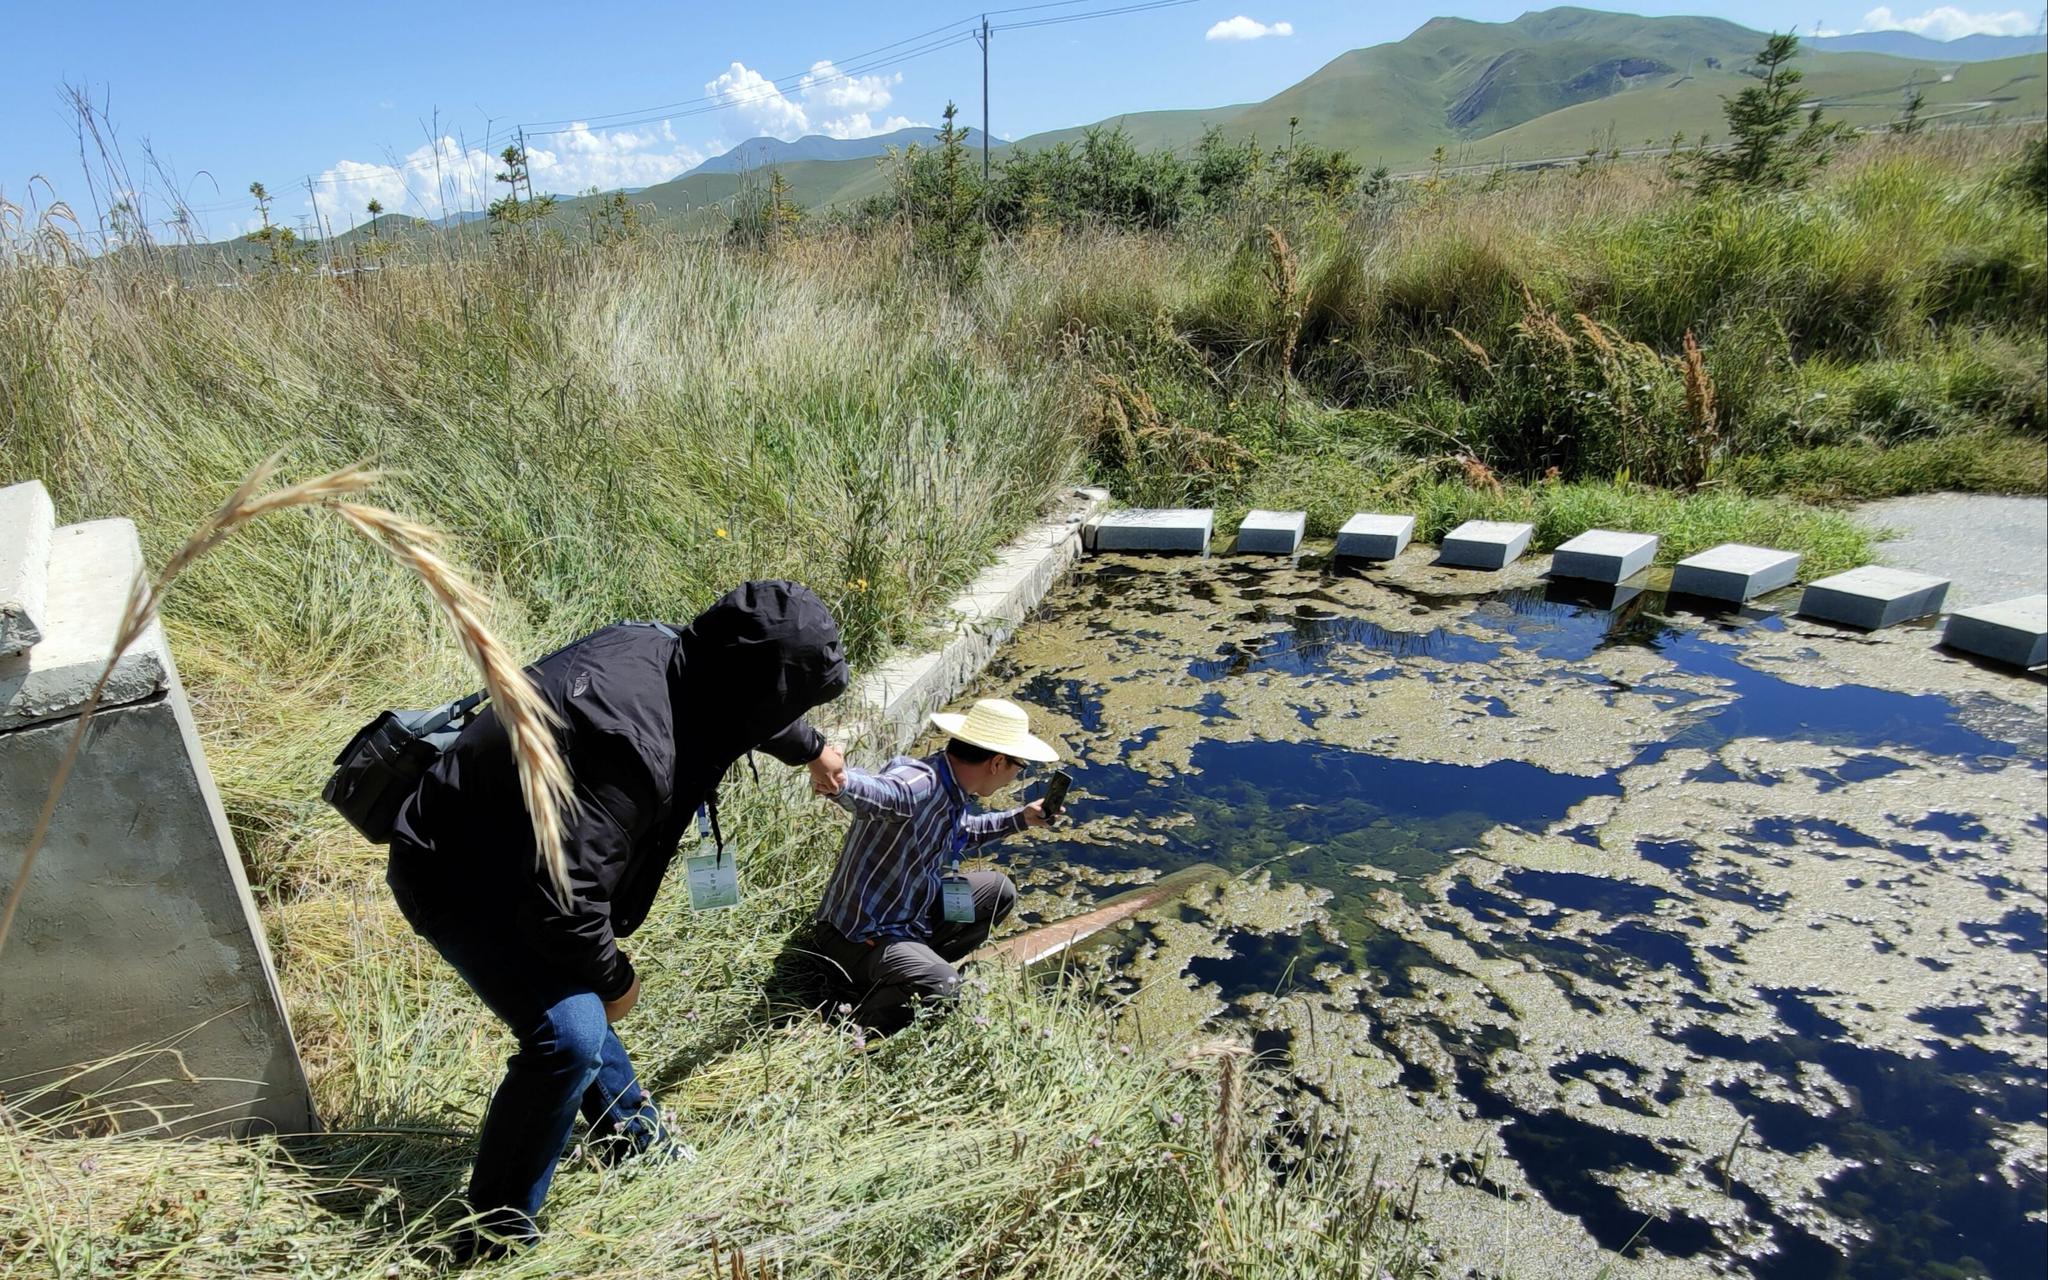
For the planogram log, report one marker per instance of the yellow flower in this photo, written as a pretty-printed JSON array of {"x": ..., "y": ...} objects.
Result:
[{"x": 721, "y": 533}]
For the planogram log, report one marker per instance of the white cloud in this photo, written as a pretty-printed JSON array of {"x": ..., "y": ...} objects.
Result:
[
  {"x": 444, "y": 177},
  {"x": 433, "y": 179},
  {"x": 581, "y": 159},
  {"x": 1948, "y": 23},
  {"x": 758, "y": 101},
  {"x": 825, "y": 100},
  {"x": 826, "y": 87},
  {"x": 1243, "y": 28}
]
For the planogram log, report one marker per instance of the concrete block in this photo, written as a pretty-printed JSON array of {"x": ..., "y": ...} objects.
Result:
[
  {"x": 1734, "y": 572},
  {"x": 92, "y": 566},
  {"x": 1271, "y": 533},
  {"x": 1603, "y": 555},
  {"x": 2014, "y": 632},
  {"x": 1156, "y": 529},
  {"x": 137, "y": 940},
  {"x": 1370, "y": 536},
  {"x": 1485, "y": 544},
  {"x": 1873, "y": 596},
  {"x": 27, "y": 519}
]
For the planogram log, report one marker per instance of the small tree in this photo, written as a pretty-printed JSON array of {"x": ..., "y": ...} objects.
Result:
[
  {"x": 952, "y": 233},
  {"x": 1327, "y": 173},
  {"x": 376, "y": 210},
  {"x": 783, "y": 213},
  {"x": 281, "y": 241},
  {"x": 1909, "y": 121},
  {"x": 1225, "y": 170},
  {"x": 613, "y": 218},
  {"x": 509, "y": 210},
  {"x": 1771, "y": 151}
]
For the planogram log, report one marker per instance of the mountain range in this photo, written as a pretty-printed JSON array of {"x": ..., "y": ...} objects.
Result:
[
  {"x": 765, "y": 152},
  {"x": 1543, "y": 88},
  {"x": 1906, "y": 44}
]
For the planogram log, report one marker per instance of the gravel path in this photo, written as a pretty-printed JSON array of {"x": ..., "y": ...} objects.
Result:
[{"x": 1990, "y": 548}]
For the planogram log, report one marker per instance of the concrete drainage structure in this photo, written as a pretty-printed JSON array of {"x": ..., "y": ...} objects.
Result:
[
  {"x": 891, "y": 702},
  {"x": 1873, "y": 597},
  {"x": 1600, "y": 568},
  {"x": 1734, "y": 573},
  {"x": 138, "y": 982},
  {"x": 2014, "y": 632},
  {"x": 1271, "y": 533},
  {"x": 137, "y": 972},
  {"x": 1604, "y": 556},
  {"x": 1371, "y": 536},
  {"x": 1485, "y": 544}
]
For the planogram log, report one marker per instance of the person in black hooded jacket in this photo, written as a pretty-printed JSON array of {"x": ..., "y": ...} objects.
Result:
[{"x": 651, "y": 720}]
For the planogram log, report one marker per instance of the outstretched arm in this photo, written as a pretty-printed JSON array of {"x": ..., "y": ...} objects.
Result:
[
  {"x": 892, "y": 793},
  {"x": 982, "y": 828}
]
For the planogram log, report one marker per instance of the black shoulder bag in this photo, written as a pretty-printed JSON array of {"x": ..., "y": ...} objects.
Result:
[{"x": 382, "y": 765}]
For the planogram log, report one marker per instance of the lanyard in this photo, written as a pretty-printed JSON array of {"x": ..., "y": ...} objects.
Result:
[
  {"x": 707, "y": 825},
  {"x": 957, "y": 842}
]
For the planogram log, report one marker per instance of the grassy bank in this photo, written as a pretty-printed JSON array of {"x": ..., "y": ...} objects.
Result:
[
  {"x": 623, "y": 430},
  {"x": 1877, "y": 334}
]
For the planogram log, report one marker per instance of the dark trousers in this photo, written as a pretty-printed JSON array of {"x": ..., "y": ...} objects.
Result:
[
  {"x": 888, "y": 976},
  {"x": 569, "y": 1058}
]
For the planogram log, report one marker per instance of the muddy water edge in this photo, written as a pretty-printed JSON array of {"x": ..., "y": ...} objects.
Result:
[{"x": 1713, "y": 940}]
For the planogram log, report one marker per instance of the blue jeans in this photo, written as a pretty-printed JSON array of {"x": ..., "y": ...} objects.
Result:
[{"x": 569, "y": 1058}]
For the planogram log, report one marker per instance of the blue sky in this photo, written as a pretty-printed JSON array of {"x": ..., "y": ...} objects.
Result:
[{"x": 365, "y": 99}]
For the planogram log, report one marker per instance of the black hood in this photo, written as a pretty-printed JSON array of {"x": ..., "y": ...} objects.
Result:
[{"x": 761, "y": 656}]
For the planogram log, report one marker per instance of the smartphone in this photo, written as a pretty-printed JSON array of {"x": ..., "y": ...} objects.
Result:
[{"x": 1056, "y": 792}]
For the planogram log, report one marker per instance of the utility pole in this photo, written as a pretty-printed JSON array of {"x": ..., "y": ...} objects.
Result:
[
  {"x": 981, "y": 38},
  {"x": 313, "y": 197}
]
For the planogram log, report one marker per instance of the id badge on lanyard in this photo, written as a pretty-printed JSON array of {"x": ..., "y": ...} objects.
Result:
[
  {"x": 713, "y": 877},
  {"x": 956, "y": 895}
]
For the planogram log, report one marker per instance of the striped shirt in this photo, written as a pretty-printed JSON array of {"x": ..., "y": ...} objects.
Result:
[{"x": 902, "y": 842}]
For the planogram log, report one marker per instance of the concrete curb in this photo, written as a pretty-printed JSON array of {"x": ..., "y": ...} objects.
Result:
[{"x": 888, "y": 706}]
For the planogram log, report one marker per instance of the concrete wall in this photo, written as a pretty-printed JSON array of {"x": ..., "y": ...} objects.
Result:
[
  {"x": 886, "y": 709},
  {"x": 137, "y": 939}
]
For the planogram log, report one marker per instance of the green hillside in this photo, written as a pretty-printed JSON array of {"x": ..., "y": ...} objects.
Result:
[
  {"x": 1863, "y": 89},
  {"x": 1545, "y": 86},
  {"x": 1148, "y": 129}
]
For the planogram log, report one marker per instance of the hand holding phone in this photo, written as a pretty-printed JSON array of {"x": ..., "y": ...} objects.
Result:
[{"x": 1056, "y": 792}]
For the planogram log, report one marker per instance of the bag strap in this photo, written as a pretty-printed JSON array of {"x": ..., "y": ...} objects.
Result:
[
  {"x": 662, "y": 627},
  {"x": 457, "y": 710}
]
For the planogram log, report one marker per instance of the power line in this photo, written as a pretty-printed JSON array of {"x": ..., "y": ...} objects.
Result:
[
  {"x": 769, "y": 93},
  {"x": 781, "y": 81},
  {"x": 1098, "y": 13},
  {"x": 973, "y": 28}
]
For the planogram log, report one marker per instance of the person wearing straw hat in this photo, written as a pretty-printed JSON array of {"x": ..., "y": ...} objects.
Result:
[{"x": 898, "y": 911}]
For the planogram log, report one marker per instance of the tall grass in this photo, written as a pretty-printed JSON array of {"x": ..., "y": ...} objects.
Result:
[
  {"x": 612, "y": 437},
  {"x": 1903, "y": 295}
]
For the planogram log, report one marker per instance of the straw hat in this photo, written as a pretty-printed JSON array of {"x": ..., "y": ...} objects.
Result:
[{"x": 996, "y": 725}]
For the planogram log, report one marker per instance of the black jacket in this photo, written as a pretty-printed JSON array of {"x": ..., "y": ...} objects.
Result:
[{"x": 651, "y": 722}]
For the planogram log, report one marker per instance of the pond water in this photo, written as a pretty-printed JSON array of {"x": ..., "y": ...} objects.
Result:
[{"x": 1717, "y": 940}]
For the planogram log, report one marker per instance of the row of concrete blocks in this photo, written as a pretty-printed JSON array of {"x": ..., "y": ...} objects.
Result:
[{"x": 2012, "y": 631}]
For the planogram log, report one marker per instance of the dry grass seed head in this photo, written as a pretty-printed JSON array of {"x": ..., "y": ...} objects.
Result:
[
  {"x": 529, "y": 722},
  {"x": 1477, "y": 352}
]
